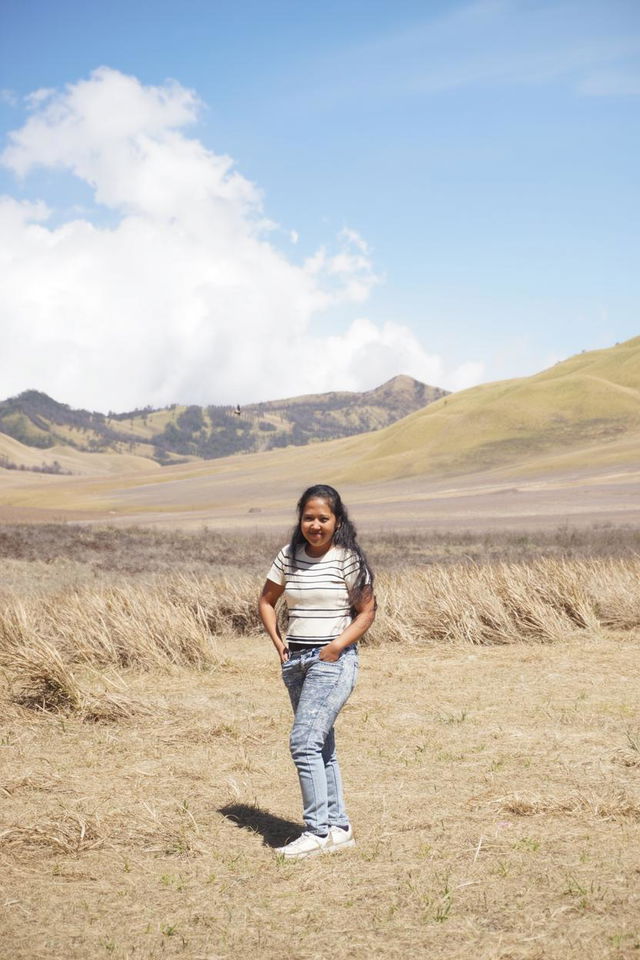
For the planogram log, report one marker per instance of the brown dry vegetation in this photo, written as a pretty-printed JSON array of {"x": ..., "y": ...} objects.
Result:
[
  {"x": 143, "y": 550},
  {"x": 491, "y": 754}
]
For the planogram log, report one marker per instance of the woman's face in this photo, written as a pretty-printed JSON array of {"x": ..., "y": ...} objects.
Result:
[{"x": 318, "y": 524}]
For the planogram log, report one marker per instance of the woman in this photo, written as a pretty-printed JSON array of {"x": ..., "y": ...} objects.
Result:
[{"x": 328, "y": 589}]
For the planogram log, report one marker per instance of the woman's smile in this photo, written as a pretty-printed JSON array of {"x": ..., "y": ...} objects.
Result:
[{"x": 318, "y": 524}]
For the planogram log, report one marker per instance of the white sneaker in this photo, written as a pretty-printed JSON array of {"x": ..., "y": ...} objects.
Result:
[
  {"x": 307, "y": 845},
  {"x": 340, "y": 839}
]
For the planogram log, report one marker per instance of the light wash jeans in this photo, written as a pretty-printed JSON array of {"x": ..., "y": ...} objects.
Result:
[{"x": 318, "y": 690}]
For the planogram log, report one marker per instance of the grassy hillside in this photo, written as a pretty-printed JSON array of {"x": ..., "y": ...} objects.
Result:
[
  {"x": 446, "y": 463},
  {"x": 178, "y": 433},
  {"x": 20, "y": 459},
  {"x": 589, "y": 399}
]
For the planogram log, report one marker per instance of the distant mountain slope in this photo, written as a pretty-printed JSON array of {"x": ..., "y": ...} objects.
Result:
[
  {"x": 174, "y": 434},
  {"x": 588, "y": 399},
  {"x": 566, "y": 440},
  {"x": 342, "y": 414}
]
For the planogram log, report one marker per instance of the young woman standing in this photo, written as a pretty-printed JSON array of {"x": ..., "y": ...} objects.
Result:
[{"x": 328, "y": 589}]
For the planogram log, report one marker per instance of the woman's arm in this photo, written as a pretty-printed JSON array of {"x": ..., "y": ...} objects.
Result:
[
  {"x": 366, "y": 614},
  {"x": 267, "y": 610}
]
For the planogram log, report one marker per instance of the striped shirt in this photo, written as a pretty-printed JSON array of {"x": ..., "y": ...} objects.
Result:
[{"x": 316, "y": 591}]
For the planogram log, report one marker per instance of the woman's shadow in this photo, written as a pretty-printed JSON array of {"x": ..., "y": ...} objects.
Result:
[{"x": 275, "y": 831}]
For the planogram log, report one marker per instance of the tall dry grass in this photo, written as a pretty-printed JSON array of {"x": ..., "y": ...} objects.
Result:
[
  {"x": 506, "y": 603},
  {"x": 45, "y": 640}
]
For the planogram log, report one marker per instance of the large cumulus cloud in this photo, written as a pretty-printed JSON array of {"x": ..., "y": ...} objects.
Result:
[{"x": 172, "y": 288}]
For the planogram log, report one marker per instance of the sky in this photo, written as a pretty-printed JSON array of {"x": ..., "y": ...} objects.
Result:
[{"x": 216, "y": 202}]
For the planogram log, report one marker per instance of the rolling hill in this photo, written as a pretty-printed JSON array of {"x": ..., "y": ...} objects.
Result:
[
  {"x": 55, "y": 433},
  {"x": 590, "y": 400},
  {"x": 562, "y": 444}
]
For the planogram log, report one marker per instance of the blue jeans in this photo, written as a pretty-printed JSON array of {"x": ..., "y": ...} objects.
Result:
[{"x": 318, "y": 690}]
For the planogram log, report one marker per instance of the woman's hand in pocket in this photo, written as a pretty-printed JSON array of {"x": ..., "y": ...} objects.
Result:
[{"x": 330, "y": 653}]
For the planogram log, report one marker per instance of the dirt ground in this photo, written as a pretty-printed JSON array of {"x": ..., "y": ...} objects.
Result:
[
  {"x": 259, "y": 493},
  {"x": 494, "y": 794}
]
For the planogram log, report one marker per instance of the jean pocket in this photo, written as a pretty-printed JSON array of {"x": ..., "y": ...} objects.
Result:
[{"x": 325, "y": 664}]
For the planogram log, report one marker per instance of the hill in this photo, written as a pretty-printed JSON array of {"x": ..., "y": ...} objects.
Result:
[
  {"x": 562, "y": 446},
  {"x": 591, "y": 399},
  {"x": 177, "y": 433}
]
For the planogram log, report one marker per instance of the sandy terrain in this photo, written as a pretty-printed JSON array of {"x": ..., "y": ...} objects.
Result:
[{"x": 232, "y": 497}]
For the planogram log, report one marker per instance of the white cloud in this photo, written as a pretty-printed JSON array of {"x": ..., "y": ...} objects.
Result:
[
  {"x": 368, "y": 354},
  {"x": 467, "y": 375},
  {"x": 354, "y": 238},
  {"x": 38, "y": 97},
  {"x": 183, "y": 297}
]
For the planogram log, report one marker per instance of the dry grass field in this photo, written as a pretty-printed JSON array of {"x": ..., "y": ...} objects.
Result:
[{"x": 491, "y": 753}]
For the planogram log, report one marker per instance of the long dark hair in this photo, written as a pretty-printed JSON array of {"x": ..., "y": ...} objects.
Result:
[{"x": 344, "y": 536}]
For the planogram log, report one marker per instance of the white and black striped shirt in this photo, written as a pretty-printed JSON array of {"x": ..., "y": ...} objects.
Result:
[{"x": 316, "y": 591}]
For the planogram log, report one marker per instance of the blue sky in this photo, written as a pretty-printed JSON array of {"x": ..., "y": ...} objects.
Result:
[{"x": 469, "y": 171}]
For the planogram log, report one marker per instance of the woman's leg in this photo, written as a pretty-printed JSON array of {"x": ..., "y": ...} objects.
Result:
[
  {"x": 336, "y": 812},
  {"x": 324, "y": 692}
]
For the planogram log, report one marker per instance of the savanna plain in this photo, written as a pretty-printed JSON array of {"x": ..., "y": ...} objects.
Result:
[{"x": 491, "y": 751}]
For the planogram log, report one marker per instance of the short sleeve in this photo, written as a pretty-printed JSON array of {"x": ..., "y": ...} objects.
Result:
[
  {"x": 278, "y": 567},
  {"x": 351, "y": 570}
]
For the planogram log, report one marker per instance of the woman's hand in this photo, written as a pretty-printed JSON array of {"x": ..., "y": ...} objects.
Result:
[
  {"x": 330, "y": 653},
  {"x": 366, "y": 612}
]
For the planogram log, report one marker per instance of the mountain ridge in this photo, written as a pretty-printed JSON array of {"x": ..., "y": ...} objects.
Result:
[{"x": 176, "y": 433}]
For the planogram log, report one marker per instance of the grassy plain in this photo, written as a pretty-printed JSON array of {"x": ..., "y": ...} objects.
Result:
[
  {"x": 491, "y": 753},
  {"x": 600, "y": 485}
]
